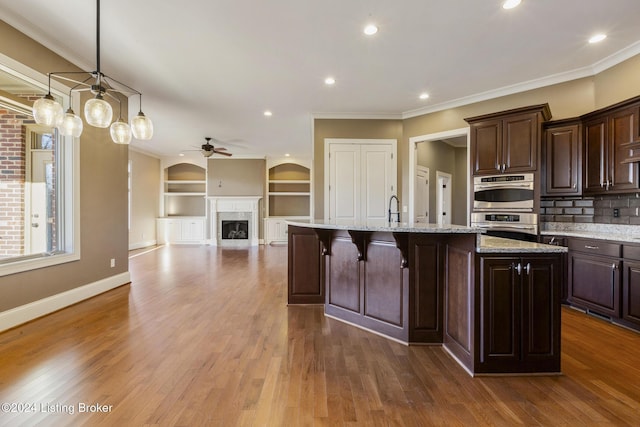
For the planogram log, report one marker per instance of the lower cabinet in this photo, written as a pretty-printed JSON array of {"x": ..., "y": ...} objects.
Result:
[
  {"x": 594, "y": 276},
  {"x": 631, "y": 286},
  {"x": 181, "y": 230},
  {"x": 305, "y": 280},
  {"x": 275, "y": 230},
  {"x": 519, "y": 314}
]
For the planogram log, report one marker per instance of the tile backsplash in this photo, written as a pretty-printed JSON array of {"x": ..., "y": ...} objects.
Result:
[{"x": 597, "y": 209}]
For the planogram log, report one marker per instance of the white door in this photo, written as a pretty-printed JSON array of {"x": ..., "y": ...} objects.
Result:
[
  {"x": 421, "y": 196},
  {"x": 344, "y": 183},
  {"x": 40, "y": 174},
  {"x": 443, "y": 197},
  {"x": 377, "y": 183},
  {"x": 362, "y": 178}
]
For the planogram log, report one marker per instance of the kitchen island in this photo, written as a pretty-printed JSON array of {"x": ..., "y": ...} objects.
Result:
[{"x": 494, "y": 304}]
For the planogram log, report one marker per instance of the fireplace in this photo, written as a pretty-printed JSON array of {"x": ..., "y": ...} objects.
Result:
[
  {"x": 234, "y": 221},
  {"x": 234, "y": 229}
]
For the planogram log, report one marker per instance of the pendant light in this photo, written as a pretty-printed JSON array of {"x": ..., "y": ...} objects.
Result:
[{"x": 97, "y": 111}]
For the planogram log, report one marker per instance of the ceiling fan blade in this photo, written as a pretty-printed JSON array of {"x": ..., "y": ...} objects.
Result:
[{"x": 224, "y": 153}]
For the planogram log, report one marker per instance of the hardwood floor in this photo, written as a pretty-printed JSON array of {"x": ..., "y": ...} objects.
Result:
[{"x": 203, "y": 336}]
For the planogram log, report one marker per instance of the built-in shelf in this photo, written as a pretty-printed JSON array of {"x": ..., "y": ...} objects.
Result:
[
  {"x": 184, "y": 191},
  {"x": 288, "y": 197}
]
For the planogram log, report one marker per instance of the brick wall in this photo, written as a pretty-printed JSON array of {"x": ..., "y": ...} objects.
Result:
[
  {"x": 598, "y": 209},
  {"x": 12, "y": 172}
]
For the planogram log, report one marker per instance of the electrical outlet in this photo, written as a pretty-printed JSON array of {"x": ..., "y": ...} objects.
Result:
[
  {"x": 616, "y": 213},
  {"x": 113, "y": 262},
  {"x": 405, "y": 209}
]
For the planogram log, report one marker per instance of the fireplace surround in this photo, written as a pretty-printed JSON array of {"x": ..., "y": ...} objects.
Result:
[{"x": 234, "y": 221}]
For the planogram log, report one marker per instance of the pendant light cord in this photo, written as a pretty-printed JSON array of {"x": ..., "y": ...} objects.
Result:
[{"x": 98, "y": 38}]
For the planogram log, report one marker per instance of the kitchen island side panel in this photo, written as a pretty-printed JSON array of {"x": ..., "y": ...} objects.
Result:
[{"x": 459, "y": 302}]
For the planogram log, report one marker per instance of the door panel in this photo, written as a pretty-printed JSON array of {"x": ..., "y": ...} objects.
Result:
[{"x": 344, "y": 176}]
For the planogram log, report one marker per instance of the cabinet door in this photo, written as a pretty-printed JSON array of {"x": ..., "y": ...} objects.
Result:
[
  {"x": 500, "y": 312},
  {"x": 520, "y": 143},
  {"x": 595, "y": 163},
  {"x": 631, "y": 292},
  {"x": 594, "y": 283},
  {"x": 192, "y": 230},
  {"x": 562, "y": 161},
  {"x": 486, "y": 147},
  {"x": 622, "y": 127},
  {"x": 305, "y": 281},
  {"x": 541, "y": 311}
]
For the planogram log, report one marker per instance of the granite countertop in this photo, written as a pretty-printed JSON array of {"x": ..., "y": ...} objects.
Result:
[
  {"x": 619, "y": 233},
  {"x": 491, "y": 244},
  {"x": 403, "y": 227}
]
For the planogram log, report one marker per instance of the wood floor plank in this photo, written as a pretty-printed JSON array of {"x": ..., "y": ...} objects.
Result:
[{"x": 203, "y": 337}]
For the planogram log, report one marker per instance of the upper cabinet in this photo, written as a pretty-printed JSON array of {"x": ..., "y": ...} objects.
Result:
[
  {"x": 562, "y": 158},
  {"x": 507, "y": 142},
  {"x": 611, "y": 137}
]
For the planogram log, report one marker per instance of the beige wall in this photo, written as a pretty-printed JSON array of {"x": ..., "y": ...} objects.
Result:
[
  {"x": 103, "y": 204},
  {"x": 236, "y": 177},
  {"x": 569, "y": 99},
  {"x": 145, "y": 199},
  {"x": 343, "y": 128}
]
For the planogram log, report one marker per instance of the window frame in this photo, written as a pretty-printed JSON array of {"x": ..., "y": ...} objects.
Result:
[{"x": 69, "y": 189}]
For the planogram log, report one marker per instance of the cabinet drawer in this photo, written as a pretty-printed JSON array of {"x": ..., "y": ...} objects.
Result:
[
  {"x": 596, "y": 247},
  {"x": 631, "y": 252}
]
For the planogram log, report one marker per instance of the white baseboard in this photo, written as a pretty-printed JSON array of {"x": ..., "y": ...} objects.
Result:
[
  {"x": 140, "y": 245},
  {"x": 25, "y": 313}
]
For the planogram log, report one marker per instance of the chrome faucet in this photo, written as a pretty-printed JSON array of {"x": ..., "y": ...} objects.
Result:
[{"x": 397, "y": 212}]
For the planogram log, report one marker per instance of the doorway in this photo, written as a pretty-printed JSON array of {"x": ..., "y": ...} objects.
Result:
[
  {"x": 443, "y": 198},
  {"x": 460, "y": 189},
  {"x": 422, "y": 194}
]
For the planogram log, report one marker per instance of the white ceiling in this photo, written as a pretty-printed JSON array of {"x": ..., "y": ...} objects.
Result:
[{"x": 211, "y": 67}]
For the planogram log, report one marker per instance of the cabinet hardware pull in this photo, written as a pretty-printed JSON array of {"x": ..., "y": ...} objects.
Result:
[
  {"x": 614, "y": 266},
  {"x": 591, "y": 247},
  {"x": 575, "y": 186},
  {"x": 519, "y": 269},
  {"x": 527, "y": 268}
]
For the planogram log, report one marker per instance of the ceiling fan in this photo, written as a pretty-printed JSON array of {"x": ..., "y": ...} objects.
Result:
[{"x": 207, "y": 149}]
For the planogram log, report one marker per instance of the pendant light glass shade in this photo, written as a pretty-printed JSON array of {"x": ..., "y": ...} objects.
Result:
[
  {"x": 98, "y": 112},
  {"x": 46, "y": 111},
  {"x": 71, "y": 124},
  {"x": 142, "y": 127},
  {"x": 120, "y": 132}
]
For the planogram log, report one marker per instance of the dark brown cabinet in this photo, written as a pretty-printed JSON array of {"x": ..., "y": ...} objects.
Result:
[
  {"x": 508, "y": 141},
  {"x": 631, "y": 286},
  {"x": 305, "y": 284},
  {"x": 594, "y": 275},
  {"x": 519, "y": 314},
  {"x": 611, "y": 136},
  {"x": 562, "y": 159},
  {"x": 564, "y": 285}
]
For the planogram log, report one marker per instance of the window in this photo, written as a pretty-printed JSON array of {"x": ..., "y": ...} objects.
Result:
[{"x": 38, "y": 189}]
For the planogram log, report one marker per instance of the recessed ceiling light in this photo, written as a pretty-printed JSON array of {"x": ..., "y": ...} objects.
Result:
[
  {"x": 424, "y": 95},
  {"x": 268, "y": 113},
  {"x": 597, "y": 38},
  {"x": 329, "y": 81},
  {"x": 510, "y": 4},
  {"x": 287, "y": 154},
  {"x": 370, "y": 29},
  {"x": 181, "y": 154}
]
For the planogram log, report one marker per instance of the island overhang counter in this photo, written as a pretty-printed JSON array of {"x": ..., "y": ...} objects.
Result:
[{"x": 493, "y": 304}]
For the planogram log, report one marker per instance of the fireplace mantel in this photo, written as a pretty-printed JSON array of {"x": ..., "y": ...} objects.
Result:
[{"x": 248, "y": 204}]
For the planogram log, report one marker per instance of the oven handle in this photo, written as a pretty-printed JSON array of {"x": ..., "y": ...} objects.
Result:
[
  {"x": 503, "y": 187},
  {"x": 507, "y": 227}
]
